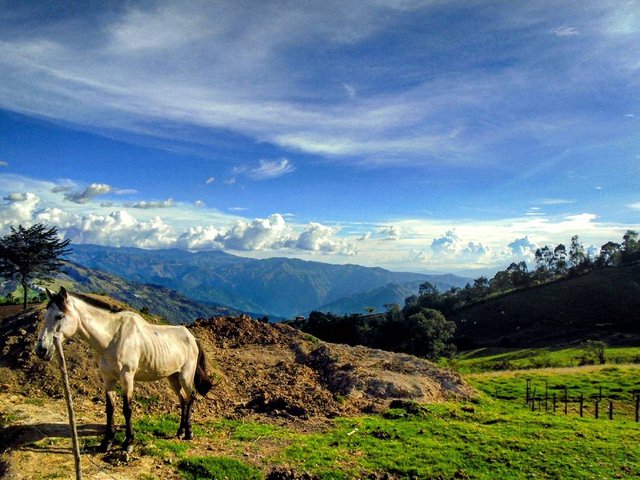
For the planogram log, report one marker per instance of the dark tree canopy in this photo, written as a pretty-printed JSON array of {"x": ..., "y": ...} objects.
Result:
[{"x": 28, "y": 253}]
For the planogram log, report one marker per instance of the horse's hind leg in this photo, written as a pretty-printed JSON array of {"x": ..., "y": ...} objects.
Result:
[
  {"x": 110, "y": 430},
  {"x": 187, "y": 391},
  {"x": 174, "y": 380}
]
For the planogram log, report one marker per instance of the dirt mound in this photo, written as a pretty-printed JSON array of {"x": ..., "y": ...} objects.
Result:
[{"x": 257, "y": 368}]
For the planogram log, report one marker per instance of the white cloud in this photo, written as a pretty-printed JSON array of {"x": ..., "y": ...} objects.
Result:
[
  {"x": 120, "y": 229},
  {"x": 210, "y": 180},
  {"x": 201, "y": 238},
  {"x": 3, "y": 163},
  {"x": 198, "y": 204},
  {"x": 146, "y": 205},
  {"x": 321, "y": 238},
  {"x": 265, "y": 170},
  {"x": 450, "y": 244},
  {"x": 19, "y": 208},
  {"x": 88, "y": 193},
  {"x": 271, "y": 233},
  {"x": 565, "y": 31},
  {"x": 635, "y": 206},
  {"x": 391, "y": 232},
  {"x": 522, "y": 248}
]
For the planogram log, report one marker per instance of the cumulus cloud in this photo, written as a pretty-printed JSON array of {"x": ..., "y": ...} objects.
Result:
[
  {"x": 145, "y": 205},
  {"x": 198, "y": 204},
  {"x": 321, "y": 238},
  {"x": 89, "y": 193},
  {"x": 201, "y": 238},
  {"x": 522, "y": 247},
  {"x": 270, "y": 233},
  {"x": 19, "y": 208},
  {"x": 121, "y": 229},
  {"x": 451, "y": 245}
]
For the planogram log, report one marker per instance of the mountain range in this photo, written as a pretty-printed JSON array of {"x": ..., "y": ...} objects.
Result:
[{"x": 277, "y": 287}]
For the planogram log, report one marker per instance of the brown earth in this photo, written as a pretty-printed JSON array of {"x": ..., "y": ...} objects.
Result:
[{"x": 271, "y": 371}]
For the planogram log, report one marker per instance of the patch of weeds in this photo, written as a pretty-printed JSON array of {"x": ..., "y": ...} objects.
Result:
[
  {"x": 311, "y": 339},
  {"x": 38, "y": 402},
  {"x": 160, "y": 448},
  {"x": 147, "y": 401},
  {"x": 201, "y": 468}
]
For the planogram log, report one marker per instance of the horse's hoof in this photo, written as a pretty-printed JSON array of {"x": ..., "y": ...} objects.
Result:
[
  {"x": 127, "y": 447},
  {"x": 180, "y": 432},
  {"x": 188, "y": 436},
  {"x": 103, "y": 447}
]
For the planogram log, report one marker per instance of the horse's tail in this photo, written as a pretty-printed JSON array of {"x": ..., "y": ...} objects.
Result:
[{"x": 202, "y": 381}]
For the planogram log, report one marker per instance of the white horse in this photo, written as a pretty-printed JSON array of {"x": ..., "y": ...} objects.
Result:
[{"x": 128, "y": 348}]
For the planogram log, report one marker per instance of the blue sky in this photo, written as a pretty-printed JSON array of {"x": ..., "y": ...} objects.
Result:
[{"x": 413, "y": 135}]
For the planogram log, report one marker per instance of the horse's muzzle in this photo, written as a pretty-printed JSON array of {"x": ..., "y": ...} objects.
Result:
[{"x": 44, "y": 353}]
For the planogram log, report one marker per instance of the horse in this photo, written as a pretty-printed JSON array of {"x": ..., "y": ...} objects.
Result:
[{"x": 128, "y": 349}]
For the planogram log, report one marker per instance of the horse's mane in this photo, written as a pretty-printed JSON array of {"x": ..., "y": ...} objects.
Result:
[{"x": 97, "y": 302}]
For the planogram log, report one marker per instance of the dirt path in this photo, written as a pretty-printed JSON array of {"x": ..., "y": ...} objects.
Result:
[{"x": 37, "y": 444}]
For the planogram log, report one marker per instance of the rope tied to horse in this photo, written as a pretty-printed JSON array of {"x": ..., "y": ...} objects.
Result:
[{"x": 67, "y": 395}]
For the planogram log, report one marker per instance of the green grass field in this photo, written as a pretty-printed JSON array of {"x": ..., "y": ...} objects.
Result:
[
  {"x": 489, "y": 359},
  {"x": 491, "y": 438}
]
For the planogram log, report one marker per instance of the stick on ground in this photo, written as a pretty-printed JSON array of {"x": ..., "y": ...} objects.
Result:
[{"x": 72, "y": 415}]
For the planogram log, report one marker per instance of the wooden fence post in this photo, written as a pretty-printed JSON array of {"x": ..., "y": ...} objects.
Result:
[
  {"x": 533, "y": 401},
  {"x": 566, "y": 406},
  {"x": 528, "y": 391},
  {"x": 554, "y": 402},
  {"x": 597, "y": 410},
  {"x": 610, "y": 409},
  {"x": 582, "y": 405},
  {"x": 546, "y": 395}
]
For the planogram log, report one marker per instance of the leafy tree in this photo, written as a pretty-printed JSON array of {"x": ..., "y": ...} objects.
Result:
[
  {"x": 630, "y": 247},
  {"x": 429, "y": 335},
  {"x": 28, "y": 253},
  {"x": 577, "y": 256},
  {"x": 608, "y": 254}
]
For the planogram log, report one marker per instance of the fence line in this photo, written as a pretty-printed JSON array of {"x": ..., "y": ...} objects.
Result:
[{"x": 540, "y": 402}]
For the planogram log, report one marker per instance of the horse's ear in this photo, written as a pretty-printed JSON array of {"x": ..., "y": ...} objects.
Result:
[
  {"x": 49, "y": 294},
  {"x": 63, "y": 293}
]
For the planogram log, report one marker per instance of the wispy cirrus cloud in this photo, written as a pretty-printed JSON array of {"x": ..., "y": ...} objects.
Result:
[
  {"x": 264, "y": 170},
  {"x": 398, "y": 112}
]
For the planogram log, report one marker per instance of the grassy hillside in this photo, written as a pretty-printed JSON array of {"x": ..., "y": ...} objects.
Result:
[{"x": 600, "y": 304}]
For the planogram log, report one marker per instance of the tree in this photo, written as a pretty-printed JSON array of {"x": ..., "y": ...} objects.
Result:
[
  {"x": 27, "y": 253},
  {"x": 429, "y": 334}
]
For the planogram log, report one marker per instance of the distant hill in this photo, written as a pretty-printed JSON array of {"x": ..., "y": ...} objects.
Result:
[
  {"x": 602, "y": 304},
  {"x": 277, "y": 286},
  {"x": 376, "y": 299},
  {"x": 172, "y": 306}
]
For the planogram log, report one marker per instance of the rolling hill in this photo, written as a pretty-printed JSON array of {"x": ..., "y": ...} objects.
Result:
[
  {"x": 277, "y": 286},
  {"x": 601, "y": 304}
]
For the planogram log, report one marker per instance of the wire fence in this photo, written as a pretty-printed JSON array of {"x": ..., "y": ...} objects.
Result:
[{"x": 595, "y": 403}]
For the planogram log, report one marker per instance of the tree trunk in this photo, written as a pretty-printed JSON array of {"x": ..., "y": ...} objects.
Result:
[{"x": 25, "y": 287}]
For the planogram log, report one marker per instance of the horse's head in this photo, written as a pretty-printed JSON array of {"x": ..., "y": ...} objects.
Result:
[{"x": 59, "y": 319}]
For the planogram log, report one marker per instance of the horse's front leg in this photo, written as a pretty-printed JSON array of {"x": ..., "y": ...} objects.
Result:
[
  {"x": 110, "y": 429},
  {"x": 126, "y": 382}
]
